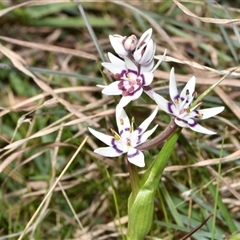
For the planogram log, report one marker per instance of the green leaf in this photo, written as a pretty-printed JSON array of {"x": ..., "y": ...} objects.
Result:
[
  {"x": 141, "y": 208},
  {"x": 72, "y": 22}
]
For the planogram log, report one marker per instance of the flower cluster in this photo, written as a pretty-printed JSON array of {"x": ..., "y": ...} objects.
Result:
[
  {"x": 136, "y": 68},
  {"x": 133, "y": 71}
]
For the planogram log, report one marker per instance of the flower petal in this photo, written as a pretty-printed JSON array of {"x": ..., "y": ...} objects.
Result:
[
  {"x": 116, "y": 61},
  {"x": 148, "y": 78},
  {"x": 173, "y": 91},
  {"x": 144, "y": 125},
  {"x": 135, "y": 157},
  {"x": 122, "y": 119},
  {"x": 160, "y": 60},
  {"x": 198, "y": 128},
  {"x": 113, "y": 68},
  {"x": 162, "y": 103},
  {"x": 181, "y": 122},
  {"x": 189, "y": 89},
  {"x": 145, "y": 136},
  {"x": 101, "y": 136},
  {"x": 108, "y": 152},
  {"x": 127, "y": 99},
  {"x": 131, "y": 65},
  {"x": 147, "y": 68},
  {"x": 112, "y": 89},
  {"x": 145, "y": 37},
  {"x": 210, "y": 112},
  {"x": 148, "y": 54},
  {"x": 101, "y": 86},
  {"x": 116, "y": 42}
]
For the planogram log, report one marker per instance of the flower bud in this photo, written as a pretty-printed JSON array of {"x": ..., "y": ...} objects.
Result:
[
  {"x": 117, "y": 44},
  {"x": 130, "y": 43},
  {"x": 145, "y": 49}
]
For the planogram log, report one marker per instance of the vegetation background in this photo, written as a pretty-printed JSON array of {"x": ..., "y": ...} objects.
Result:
[{"x": 52, "y": 184}]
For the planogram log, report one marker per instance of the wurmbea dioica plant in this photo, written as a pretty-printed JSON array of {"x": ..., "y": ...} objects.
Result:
[{"x": 133, "y": 70}]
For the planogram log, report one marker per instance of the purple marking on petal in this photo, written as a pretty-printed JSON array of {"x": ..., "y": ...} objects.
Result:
[
  {"x": 176, "y": 97},
  {"x": 143, "y": 79},
  {"x": 170, "y": 107},
  {"x": 124, "y": 130},
  {"x": 121, "y": 85},
  {"x": 139, "y": 130},
  {"x": 134, "y": 154},
  {"x": 182, "y": 120},
  {"x": 119, "y": 76},
  {"x": 115, "y": 146},
  {"x": 139, "y": 140},
  {"x": 133, "y": 71},
  {"x": 196, "y": 112},
  {"x": 123, "y": 73},
  {"x": 192, "y": 124},
  {"x": 132, "y": 93}
]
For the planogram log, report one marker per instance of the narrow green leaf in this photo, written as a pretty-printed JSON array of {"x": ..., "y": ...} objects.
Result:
[
  {"x": 171, "y": 206},
  {"x": 224, "y": 211},
  {"x": 72, "y": 22}
]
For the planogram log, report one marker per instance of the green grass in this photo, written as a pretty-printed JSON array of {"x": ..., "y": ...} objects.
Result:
[{"x": 52, "y": 184}]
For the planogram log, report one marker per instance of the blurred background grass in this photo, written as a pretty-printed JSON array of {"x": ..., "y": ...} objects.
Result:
[{"x": 90, "y": 200}]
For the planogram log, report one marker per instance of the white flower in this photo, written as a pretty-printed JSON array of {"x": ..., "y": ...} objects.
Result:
[
  {"x": 180, "y": 107},
  {"x": 130, "y": 79},
  {"x": 127, "y": 140},
  {"x": 141, "y": 51},
  {"x": 123, "y": 45},
  {"x": 145, "y": 49}
]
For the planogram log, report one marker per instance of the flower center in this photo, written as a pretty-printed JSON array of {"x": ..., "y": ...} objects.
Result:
[{"x": 130, "y": 83}]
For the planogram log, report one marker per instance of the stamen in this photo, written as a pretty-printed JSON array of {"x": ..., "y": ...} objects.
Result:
[
  {"x": 187, "y": 110},
  {"x": 133, "y": 120},
  {"x": 128, "y": 142},
  {"x": 113, "y": 132},
  {"x": 121, "y": 121},
  {"x": 199, "y": 115},
  {"x": 121, "y": 85},
  {"x": 176, "y": 100},
  {"x": 187, "y": 92},
  {"x": 139, "y": 82},
  {"x": 131, "y": 89},
  {"x": 115, "y": 135}
]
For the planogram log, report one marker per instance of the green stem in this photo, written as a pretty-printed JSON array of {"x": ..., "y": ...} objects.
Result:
[
  {"x": 134, "y": 178},
  {"x": 154, "y": 172}
]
